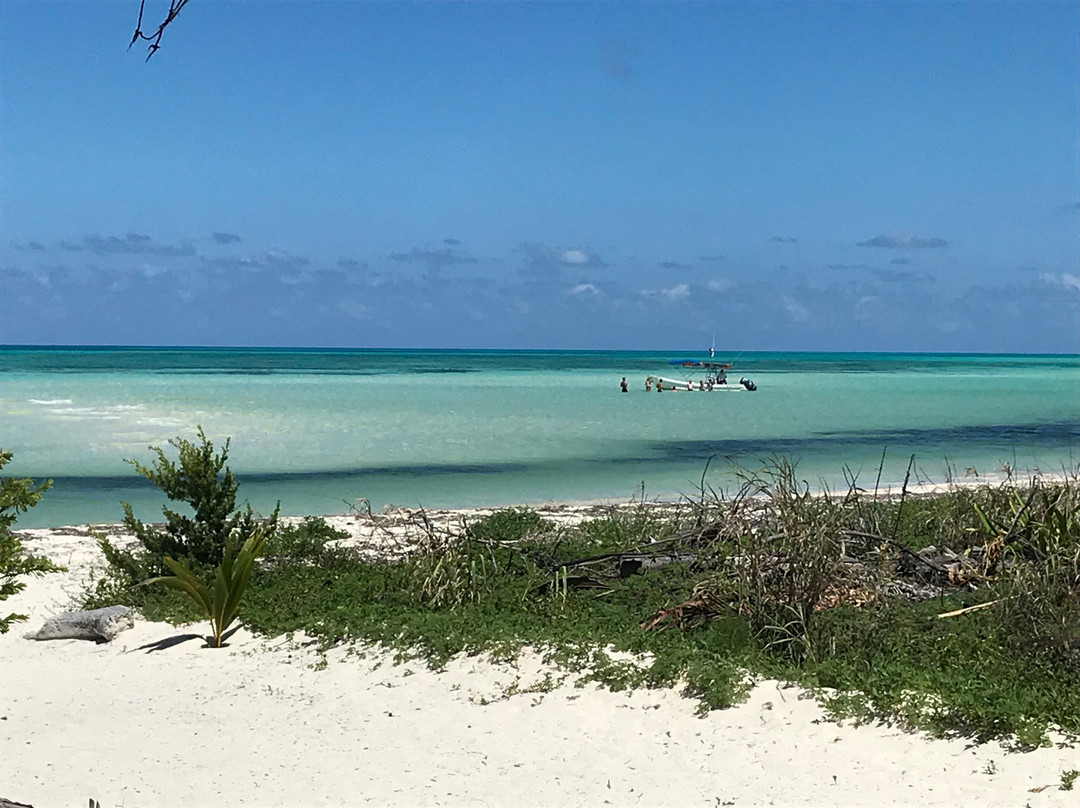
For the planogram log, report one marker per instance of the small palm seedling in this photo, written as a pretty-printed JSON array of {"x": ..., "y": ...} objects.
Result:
[{"x": 222, "y": 604}]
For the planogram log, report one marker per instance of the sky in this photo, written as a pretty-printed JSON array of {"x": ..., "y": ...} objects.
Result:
[{"x": 836, "y": 176}]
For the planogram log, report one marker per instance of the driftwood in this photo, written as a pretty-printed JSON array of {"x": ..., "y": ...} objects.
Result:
[
  {"x": 975, "y": 608},
  {"x": 618, "y": 565},
  {"x": 945, "y": 567},
  {"x": 633, "y": 563},
  {"x": 11, "y": 804},
  {"x": 703, "y": 605},
  {"x": 99, "y": 624},
  {"x": 640, "y": 558},
  {"x": 879, "y": 570}
]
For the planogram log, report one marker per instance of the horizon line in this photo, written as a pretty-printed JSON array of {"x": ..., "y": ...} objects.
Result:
[{"x": 356, "y": 349}]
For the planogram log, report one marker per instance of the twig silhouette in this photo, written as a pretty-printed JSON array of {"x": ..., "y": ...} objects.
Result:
[{"x": 175, "y": 6}]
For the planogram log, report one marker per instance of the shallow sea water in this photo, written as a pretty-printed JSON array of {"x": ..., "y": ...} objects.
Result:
[{"x": 319, "y": 430}]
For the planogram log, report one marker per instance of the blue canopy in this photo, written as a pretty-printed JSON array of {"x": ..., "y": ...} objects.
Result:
[{"x": 697, "y": 363}]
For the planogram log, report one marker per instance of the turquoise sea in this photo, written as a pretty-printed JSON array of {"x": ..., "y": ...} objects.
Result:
[{"x": 320, "y": 429}]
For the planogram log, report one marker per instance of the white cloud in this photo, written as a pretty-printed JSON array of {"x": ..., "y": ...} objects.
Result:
[
  {"x": 673, "y": 294},
  {"x": 542, "y": 258},
  {"x": 720, "y": 284},
  {"x": 798, "y": 312},
  {"x": 152, "y": 270},
  {"x": 584, "y": 289},
  {"x": 1064, "y": 280},
  {"x": 676, "y": 293}
]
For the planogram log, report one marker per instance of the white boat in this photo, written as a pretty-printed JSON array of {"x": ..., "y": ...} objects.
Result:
[{"x": 699, "y": 376}]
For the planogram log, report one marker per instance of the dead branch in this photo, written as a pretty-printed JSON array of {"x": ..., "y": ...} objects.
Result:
[
  {"x": 175, "y": 7},
  {"x": 967, "y": 609}
]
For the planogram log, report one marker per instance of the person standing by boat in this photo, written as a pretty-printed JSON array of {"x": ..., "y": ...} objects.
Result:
[{"x": 623, "y": 386}]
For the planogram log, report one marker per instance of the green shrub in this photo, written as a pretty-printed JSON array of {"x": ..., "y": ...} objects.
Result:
[
  {"x": 16, "y": 496},
  {"x": 201, "y": 480},
  {"x": 508, "y": 524},
  {"x": 311, "y": 541}
]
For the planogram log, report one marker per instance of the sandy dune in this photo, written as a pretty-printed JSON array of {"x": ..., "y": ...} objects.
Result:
[{"x": 155, "y": 719}]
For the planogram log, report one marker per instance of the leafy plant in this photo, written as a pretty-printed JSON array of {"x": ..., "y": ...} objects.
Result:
[
  {"x": 508, "y": 524},
  {"x": 200, "y": 479},
  {"x": 1068, "y": 778},
  {"x": 311, "y": 541},
  {"x": 16, "y": 496},
  {"x": 207, "y": 485},
  {"x": 222, "y": 604}
]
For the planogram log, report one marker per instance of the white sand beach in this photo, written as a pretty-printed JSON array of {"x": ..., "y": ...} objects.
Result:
[{"x": 155, "y": 719}]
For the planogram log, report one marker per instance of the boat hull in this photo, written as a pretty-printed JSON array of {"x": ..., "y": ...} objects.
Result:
[{"x": 684, "y": 386}]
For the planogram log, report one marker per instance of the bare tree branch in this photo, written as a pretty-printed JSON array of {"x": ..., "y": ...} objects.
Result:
[{"x": 155, "y": 38}]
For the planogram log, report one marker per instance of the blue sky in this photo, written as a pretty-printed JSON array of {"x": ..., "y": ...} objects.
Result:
[{"x": 788, "y": 176}]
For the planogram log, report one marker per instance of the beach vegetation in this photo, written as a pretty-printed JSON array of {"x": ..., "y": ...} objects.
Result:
[
  {"x": 200, "y": 479},
  {"x": 16, "y": 496},
  {"x": 508, "y": 525},
  {"x": 195, "y": 532},
  {"x": 774, "y": 580},
  {"x": 954, "y": 611},
  {"x": 309, "y": 542},
  {"x": 452, "y": 569},
  {"x": 220, "y": 601}
]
